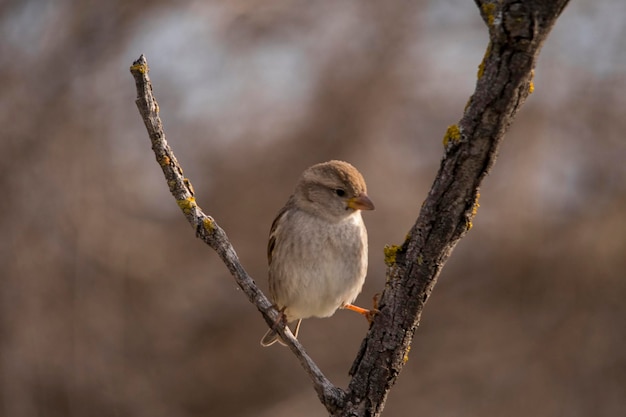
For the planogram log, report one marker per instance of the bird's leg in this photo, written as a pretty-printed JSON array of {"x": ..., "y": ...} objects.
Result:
[
  {"x": 369, "y": 314},
  {"x": 295, "y": 333},
  {"x": 282, "y": 318}
]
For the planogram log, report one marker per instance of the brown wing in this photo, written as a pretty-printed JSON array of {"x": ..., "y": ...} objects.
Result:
[{"x": 271, "y": 244}]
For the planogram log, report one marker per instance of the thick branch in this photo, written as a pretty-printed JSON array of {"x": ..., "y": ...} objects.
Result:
[
  {"x": 517, "y": 31},
  {"x": 213, "y": 235}
]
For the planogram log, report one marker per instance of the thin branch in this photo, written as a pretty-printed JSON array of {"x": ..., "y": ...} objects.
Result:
[{"x": 212, "y": 234}]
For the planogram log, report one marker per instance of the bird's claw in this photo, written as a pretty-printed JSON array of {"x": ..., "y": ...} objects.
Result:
[
  {"x": 368, "y": 314},
  {"x": 281, "y": 320},
  {"x": 371, "y": 314},
  {"x": 375, "y": 299}
]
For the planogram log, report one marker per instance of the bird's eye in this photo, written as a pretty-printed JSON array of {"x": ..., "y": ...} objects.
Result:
[{"x": 340, "y": 192}]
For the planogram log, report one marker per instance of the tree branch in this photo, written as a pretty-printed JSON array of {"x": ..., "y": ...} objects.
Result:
[
  {"x": 214, "y": 236},
  {"x": 517, "y": 31}
]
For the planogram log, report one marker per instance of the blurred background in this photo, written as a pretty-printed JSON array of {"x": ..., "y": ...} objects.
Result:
[{"x": 109, "y": 305}]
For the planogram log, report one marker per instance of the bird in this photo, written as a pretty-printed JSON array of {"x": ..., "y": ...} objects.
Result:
[{"x": 317, "y": 248}]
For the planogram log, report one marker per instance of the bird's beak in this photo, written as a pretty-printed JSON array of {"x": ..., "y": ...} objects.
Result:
[{"x": 361, "y": 202}]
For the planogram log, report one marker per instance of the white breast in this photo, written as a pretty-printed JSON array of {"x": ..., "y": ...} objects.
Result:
[{"x": 326, "y": 266}]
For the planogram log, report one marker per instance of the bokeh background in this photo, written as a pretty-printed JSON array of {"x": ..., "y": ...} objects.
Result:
[{"x": 109, "y": 306}]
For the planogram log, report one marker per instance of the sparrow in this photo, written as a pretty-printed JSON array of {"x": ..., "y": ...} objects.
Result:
[{"x": 317, "y": 249}]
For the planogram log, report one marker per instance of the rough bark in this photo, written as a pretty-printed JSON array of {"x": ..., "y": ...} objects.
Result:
[
  {"x": 517, "y": 30},
  {"x": 209, "y": 231}
]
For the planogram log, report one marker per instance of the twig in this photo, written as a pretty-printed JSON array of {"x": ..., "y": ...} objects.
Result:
[{"x": 212, "y": 234}]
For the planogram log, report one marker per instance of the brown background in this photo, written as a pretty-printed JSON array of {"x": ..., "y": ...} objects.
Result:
[{"x": 110, "y": 307}]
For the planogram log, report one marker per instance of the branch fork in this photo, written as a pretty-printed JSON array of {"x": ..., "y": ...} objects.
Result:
[{"x": 517, "y": 30}]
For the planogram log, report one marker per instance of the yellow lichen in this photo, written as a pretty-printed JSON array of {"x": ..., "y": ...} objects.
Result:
[
  {"x": 141, "y": 68},
  {"x": 531, "y": 84},
  {"x": 481, "y": 66},
  {"x": 489, "y": 11},
  {"x": 481, "y": 69},
  {"x": 420, "y": 259},
  {"x": 187, "y": 204},
  {"x": 405, "y": 359},
  {"x": 208, "y": 224},
  {"x": 472, "y": 214},
  {"x": 164, "y": 160},
  {"x": 453, "y": 134},
  {"x": 476, "y": 204},
  {"x": 390, "y": 254}
]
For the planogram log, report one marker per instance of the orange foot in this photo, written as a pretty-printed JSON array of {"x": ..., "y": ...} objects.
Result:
[{"x": 369, "y": 314}]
